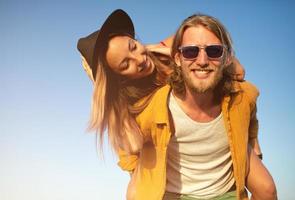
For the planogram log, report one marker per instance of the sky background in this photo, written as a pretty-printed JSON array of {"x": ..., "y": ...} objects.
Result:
[{"x": 45, "y": 151}]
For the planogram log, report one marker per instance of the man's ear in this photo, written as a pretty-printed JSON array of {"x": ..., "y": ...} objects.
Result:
[{"x": 177, "y": 59}]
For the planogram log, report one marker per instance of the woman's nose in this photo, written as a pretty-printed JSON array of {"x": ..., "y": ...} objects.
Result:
[{"x": 138, "y": 55}]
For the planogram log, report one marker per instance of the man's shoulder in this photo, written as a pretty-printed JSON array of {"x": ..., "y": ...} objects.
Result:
[
  {"x": 157, "y": 108},
  {"x": 159, "y": 93},
  {"x": 159, "y": 98},
  {"x": 162, "y": 92}
]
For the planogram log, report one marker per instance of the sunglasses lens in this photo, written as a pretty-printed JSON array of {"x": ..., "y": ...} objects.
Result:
[
  {"x": 190, "y": 52},
  {"x": 214, "y": 51}
]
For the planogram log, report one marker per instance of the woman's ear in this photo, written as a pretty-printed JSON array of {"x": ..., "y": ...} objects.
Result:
[{"x": 177, "y": 59}]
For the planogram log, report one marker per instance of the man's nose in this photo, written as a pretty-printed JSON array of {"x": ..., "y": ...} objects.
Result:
[{"x": 202, "y": 59}]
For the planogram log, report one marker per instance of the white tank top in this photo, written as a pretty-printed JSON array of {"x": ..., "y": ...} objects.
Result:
[{"x": 199, "y": 159}]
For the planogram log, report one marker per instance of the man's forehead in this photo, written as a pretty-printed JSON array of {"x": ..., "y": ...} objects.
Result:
[{"x": 199, "y": 35}]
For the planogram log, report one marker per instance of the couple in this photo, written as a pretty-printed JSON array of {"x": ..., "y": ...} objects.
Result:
[{"x": 193, "y": 138}]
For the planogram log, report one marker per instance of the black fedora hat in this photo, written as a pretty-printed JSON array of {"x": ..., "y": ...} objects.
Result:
[{"x": 93, "y": 45}]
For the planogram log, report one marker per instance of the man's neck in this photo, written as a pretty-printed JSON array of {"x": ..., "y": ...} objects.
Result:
[{"x": 200, "y": 107}]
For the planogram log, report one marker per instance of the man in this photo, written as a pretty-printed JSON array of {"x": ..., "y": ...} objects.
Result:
[{"x": 197, "y": 130}]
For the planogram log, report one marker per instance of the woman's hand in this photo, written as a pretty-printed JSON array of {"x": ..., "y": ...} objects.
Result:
[
  {"x": 236, "y": 70},
  {"x": 158, "y": 48}
]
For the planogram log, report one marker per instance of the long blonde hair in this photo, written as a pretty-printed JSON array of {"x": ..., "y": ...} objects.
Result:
[{"x": 113, "y": 99}]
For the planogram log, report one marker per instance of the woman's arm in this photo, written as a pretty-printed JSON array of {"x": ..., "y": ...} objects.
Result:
[
  {"x": 162, "y": 47},
  {"x": 168, "y": 41}
]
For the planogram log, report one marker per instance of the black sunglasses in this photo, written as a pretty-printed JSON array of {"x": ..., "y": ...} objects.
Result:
[{"x": 192, "y": 51}]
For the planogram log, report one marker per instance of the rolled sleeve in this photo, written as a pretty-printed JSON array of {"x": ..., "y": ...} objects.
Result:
[{"x": 127, "y": 162}]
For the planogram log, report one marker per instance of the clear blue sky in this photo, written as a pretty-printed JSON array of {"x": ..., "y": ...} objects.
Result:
[{"x": 45, "y": 152}]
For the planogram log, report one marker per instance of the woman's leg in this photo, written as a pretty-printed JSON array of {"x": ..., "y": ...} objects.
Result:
[{"x": 259, "y": 181}]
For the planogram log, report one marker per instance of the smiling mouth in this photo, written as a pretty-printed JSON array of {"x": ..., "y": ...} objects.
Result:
[
  {"x": 205, "y": 70},
  {"x": 202, "y": 73}
]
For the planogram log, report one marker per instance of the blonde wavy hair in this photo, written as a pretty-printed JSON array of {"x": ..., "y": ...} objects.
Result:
[{"x": 112, "y": 109}]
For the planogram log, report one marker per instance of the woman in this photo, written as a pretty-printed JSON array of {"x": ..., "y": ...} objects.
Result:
[
  {"x": 126, "y": 72},
  {"x": 118, "y": 87}
]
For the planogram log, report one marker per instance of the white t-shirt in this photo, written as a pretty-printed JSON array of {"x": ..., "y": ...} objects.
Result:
[{"x": 199, "y": 159}]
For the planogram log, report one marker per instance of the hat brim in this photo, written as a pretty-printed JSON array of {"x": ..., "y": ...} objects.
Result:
[{"x": 118, "y": 22}]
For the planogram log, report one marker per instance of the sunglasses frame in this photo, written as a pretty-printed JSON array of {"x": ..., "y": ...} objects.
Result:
[{"x": 203, "y": 47}]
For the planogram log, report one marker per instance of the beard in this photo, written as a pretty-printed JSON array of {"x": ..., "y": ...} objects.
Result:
[{"x": 202, "y": 85}]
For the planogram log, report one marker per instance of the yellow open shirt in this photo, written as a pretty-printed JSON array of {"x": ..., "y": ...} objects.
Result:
[{"x": 149, "y": 167}]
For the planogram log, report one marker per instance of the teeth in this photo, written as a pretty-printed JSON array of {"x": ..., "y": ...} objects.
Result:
[{"x": 202, "y": 70}]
